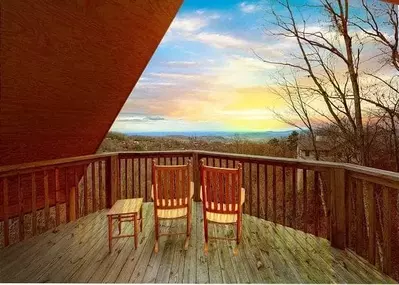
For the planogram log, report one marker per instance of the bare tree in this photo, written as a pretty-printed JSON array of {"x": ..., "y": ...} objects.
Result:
[
  {"x": 320, "y": 55},
  {"x": 298, "y": 102},
  {"x": 380, "y": 23}
]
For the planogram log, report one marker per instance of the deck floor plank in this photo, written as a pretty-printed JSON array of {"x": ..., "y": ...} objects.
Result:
[
  {"x": 149, "y": 275},
  {"x": 165, "y": 267},
  {"x": 281, "y": 271},
  {"x": 69, "y": 261},
  {"x": 268, "y": 253},
  {"x": 177, "y": 268},
  {"x": 45, "y": 259},
  {"x": 202, "y": 259},
  {"x": 314, "y": 274},
  {"x": 32, "y": 249},
  {"x": 225, "y": 252},
  {"x": 329, "y": 266},
  {"x": 190, "y": 268}
]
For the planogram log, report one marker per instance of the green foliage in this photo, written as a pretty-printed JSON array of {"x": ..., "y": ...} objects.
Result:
[{"x": 283, "y": 147}]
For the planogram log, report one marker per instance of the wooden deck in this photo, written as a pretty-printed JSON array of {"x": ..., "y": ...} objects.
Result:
[{"x": 78, "y": 252}]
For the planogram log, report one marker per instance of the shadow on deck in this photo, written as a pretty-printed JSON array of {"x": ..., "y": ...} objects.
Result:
[{"x": 78, "y": 252}]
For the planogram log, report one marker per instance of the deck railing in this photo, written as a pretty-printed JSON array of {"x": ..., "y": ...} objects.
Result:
[{"x": 354, "y": 207}]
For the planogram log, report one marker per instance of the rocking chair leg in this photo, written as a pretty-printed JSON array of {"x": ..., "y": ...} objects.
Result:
[
  {"x": 156, "y": 246},
  {"x": 239, "y": 233},
  {"x": 206, "y": 236},
  {"x": 188, "y": 231}
]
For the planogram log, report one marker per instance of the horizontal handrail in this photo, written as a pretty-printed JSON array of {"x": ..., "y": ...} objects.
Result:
[
  {"x": 318, "y": 165},
  {"x": 40, "y": 165}
]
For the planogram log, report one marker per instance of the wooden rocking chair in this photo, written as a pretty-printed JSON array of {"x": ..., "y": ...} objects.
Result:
[
  {"x": 172, "y": 192},
  {"x": 222, "y": 199}
]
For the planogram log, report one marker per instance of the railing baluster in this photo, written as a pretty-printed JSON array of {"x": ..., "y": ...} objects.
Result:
[
  {"x": 67, "y": 193},
  {"x": 245, "y": 187},
  {"x": 146, "y": 180},
  {"x": 257, "y": 189},
  {"x": 57, "y": 190},
  {"x": 274, "y": 194},
  {"x": 372, "y": 222},
  {"x": 360, "y": 237},
  {"x": 34, "y": 218},
  {"x": 126, "y": 194},
  {"x": 283, "y": 193},
  {"x": 5, "y": 214},
  {"x": 387, "y": 230},
  {"x": 21, "y": 225},
  {"x": 77, "y": 195},
  {"x": 93, "y": 187},
  {"x": 266, "y": 192},
  {"x": 250, "y": 188},
  {"x": 133, "y": 178},
  {"x": 294, "y": 197},
  {"x": 85, "y": 192},
  {"x": 46, "y": 201},
  {"x": 305, "y": 200},
  {"x": 139, "y": 165},
  {"x": 348, "y": 209},
  {"x": 316, "y": 203},
  {"x": 100, "y": 185},
  {"x": 120, "y": 178}
]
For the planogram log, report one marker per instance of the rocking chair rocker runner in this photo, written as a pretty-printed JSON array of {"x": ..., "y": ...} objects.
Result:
[
  {"x": 172, "y": 192},
  {"x": 222, "y": 199}
]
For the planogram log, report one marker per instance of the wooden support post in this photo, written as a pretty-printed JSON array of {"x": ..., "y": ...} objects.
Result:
[
  {"x": 111, "y": 180},
  {"x": 196, "y": 177},
  {"x": 338, "y": 216}
]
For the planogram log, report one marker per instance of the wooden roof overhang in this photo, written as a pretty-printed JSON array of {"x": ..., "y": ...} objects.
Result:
[{"x": 67, "y": 68}]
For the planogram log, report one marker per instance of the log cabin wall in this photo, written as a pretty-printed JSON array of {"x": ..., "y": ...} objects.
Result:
[{"x": 67, "y": 68}]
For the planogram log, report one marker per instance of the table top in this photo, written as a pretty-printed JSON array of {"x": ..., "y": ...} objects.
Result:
[{"x": 126, "y": 206}]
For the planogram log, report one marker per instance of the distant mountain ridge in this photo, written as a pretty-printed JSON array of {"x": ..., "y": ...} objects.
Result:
[{"x": 219, "y": 135}]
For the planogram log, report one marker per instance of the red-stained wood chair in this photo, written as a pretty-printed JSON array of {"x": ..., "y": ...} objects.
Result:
[
  {"x": 172, "y": 192},
  {"x": 222, "y": 198}
]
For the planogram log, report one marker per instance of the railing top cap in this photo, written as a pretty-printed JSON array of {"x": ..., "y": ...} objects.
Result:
[{"x": 299, "y": 163}]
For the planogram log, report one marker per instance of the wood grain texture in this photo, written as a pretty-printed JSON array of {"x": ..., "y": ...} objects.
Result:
[
  {"x": 269, "y": 253},
  {"x": 67, "y": 68}
]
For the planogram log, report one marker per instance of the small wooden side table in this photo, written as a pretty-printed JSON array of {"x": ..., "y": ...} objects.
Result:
[{"x": 126, "y": 210}]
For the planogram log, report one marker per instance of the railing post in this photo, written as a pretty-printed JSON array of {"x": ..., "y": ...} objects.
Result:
[
  {"x": 338, "y": 209},
  {"x": 111, "y": 180},
  {"x": 196, "y": 177}
]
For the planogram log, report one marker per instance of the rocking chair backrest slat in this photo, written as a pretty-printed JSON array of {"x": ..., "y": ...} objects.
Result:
[
  {"x": 221, "y": 189},
  {"x": 171, "y": 185}
]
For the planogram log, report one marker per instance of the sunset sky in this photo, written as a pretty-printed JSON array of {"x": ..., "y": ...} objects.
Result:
[{"x": 204, "y": 75}]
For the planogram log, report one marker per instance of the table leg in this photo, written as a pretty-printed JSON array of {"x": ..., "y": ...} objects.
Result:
[
  {"x": 135, "y": 231},
  {"x": 110, "y": 233}
]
